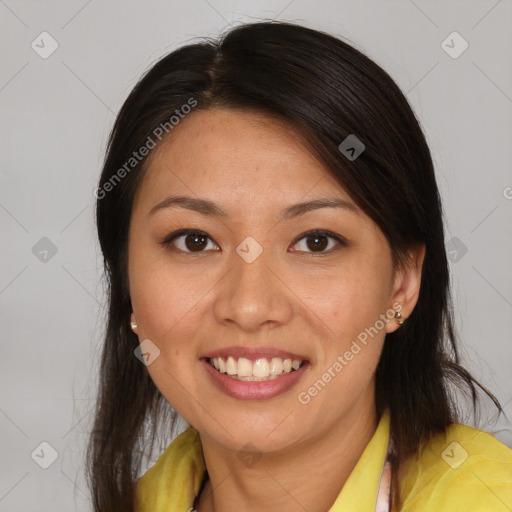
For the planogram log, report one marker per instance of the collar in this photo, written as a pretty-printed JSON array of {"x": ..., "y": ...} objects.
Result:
[
  {"x": 359, "y": 494},
  {"x": 176, "y": 478}
]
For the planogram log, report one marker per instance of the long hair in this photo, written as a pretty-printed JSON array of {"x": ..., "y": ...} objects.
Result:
[{"x": 328, "y": 90}]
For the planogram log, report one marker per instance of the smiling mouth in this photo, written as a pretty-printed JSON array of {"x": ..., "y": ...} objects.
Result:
[{"x": 260, "y": 369}]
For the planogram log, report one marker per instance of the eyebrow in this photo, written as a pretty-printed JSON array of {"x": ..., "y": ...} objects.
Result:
[{"x": 207, "y": 207}]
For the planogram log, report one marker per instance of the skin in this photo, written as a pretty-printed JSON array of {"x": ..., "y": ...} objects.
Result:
[{"x": 304, "y": 300}]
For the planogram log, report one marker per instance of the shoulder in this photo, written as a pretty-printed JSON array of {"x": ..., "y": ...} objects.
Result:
[
  {"x": 461, "y": 469},
  {"x": 175, "y": 477}
]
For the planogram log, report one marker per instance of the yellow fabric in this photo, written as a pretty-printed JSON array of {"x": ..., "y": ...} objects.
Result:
[
  {"x": 482, "y": 482},
  {"x": 173, "y": 482},
  {"x": 462, "y": 470},
  {"x": 359, "y": 494}
]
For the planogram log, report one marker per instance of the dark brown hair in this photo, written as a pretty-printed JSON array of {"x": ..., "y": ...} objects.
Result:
[{"x": 326, "y": 89}]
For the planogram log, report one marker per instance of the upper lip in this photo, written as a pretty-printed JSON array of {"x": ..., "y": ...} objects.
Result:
[{"x": 253, "y": 353}]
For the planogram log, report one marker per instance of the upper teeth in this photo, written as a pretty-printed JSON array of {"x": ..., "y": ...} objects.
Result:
[{"x": 261, "y": 367}]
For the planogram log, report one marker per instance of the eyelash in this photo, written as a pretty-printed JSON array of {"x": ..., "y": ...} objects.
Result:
[{"x": 167, "y": 241}]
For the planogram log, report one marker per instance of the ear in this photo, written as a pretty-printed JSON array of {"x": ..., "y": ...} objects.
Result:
[{"x": 406, "y": 286}]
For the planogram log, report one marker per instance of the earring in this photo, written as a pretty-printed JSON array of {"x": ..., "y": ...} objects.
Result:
[
  {"x": 399, "y": 318},
  {"x": 133, "y": 325}
]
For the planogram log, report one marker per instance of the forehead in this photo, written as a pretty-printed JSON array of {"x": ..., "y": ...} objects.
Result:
[{"x": 236, "y": 156}]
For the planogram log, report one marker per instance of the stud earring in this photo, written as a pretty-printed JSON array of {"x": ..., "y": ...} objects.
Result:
[
  {"x": 133, "y": 325},
  {"x": 399, "y": 318}
]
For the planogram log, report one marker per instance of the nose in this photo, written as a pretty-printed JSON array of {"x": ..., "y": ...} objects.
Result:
[{"x": 253, "y": 294}]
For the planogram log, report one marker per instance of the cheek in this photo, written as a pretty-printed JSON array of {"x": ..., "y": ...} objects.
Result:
[
  {"x": 164, "y": 300},
  {"x": 349, "y": 354},
  {"x": 349, "y": 304},
  {"x": 349, "y": 299},
  {"x": 167, "y": 306}
]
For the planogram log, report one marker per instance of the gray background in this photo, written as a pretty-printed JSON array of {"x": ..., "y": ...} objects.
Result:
[{"x": 57, "y": 113}]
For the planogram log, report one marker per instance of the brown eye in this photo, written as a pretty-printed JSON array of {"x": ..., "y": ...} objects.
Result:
[
  {"x": 196, "y": 242},
  {"x": 190, "y": 241},
  {"x": 187, "y": 241},
  {"x": 318, "y": 241}
]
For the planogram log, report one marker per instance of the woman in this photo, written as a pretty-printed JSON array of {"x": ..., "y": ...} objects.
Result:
[{"x": 273, "y": 241}]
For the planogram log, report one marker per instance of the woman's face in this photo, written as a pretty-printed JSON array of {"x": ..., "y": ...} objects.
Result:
[{"x": 251, "y": 284}]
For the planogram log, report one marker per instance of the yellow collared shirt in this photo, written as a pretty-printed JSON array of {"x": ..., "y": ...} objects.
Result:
[{"x": 463, "y": 470}]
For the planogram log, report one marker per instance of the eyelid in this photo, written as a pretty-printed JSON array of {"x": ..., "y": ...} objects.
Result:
[
  {"x": 167, "y": 241},
  {"x": 322, "y": 232}
]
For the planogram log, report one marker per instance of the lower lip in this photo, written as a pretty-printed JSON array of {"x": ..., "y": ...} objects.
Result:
[{"x": 254, "y": 390}]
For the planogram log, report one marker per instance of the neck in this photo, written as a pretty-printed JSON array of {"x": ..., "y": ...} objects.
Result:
[{"x": 309, "y": 476}]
